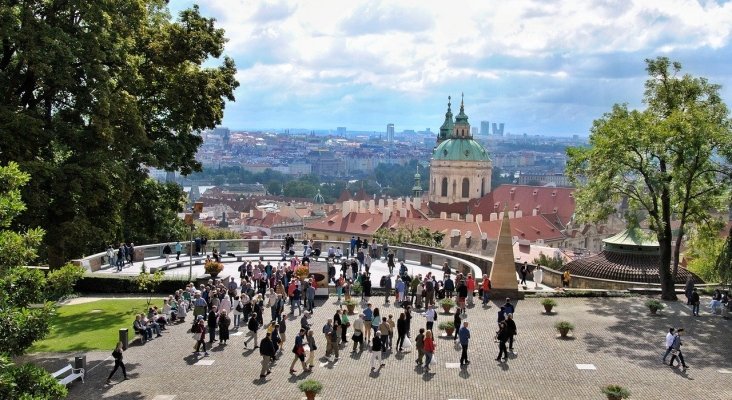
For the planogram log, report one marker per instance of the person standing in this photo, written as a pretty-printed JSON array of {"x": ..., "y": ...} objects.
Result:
[
  {"x": 328, "y": 333},
  {"x": 178, "y": 249},
  {"x": 456, "y": 323},
  {"x": 464, "y": 334},
  {"x": 368, "y": 315},
  {"x": 358, "y": 333},
  {"x": 688, "y": 289},
  {"x": 267, "y": 351},
  {"x": 676, "y": 352},
  {"x": 376, "y": 348},
  {"x": 224, "y": 323},
  {"x": 401, "y": 327},
  {"x": 430, "y": 315},
  {"x": 566, "y": 278},
  {"x": 429, "y": 349},
  {"x": 669, "y": 343},
  {"x": 387, "y": 287},
  {"x": 538, "y": 276},
  {"x": 299, "y": 350},
  {"x": 117, "y": 354},
  {"x": 212, "y": 321},
  {"x": 345, "y": 323},
  {"x": 695, "y": 300},
  {"x": 253, "y": 326},
  {"x": 486, "y": 285}
]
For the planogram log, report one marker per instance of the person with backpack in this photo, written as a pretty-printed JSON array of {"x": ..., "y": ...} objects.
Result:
[{"x": 117, "y": 354}]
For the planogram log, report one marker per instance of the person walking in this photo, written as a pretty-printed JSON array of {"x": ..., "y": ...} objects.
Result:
[
  {"x": 695, "y": 300},
  {"x": 431, "y": 316},
  {"x": 538, "y": 276},
  {"x": 224, "y": 323},
  {"x": 178, "y": 249},
  {"x": 267, "y": 351},
  {"x": 486, "y": 286},
  {"x": 376, "y": 348},
  {"x": 524, "y": 271},
  {"x": 502, "y": 336},
  {"x": 464, "y": 334},
  {"x": 376, "y": 321},
  {"x": 117, "y": 354},
  {"x": 419, "y": 345},
  {"x": 345, "y": 323},
  {"x": 669, "y": 343},
  {"x": 456, "y": 323},
  {"x": 429, "y": 349},
  {"x": 313, "y": 347},
  {"x": 511, "y": 328},
  {"x": 676, "y": 352},
  {"x": 253, "y": 326},
  {"x": 299, "y": 350},
  {"x": 200, "y": 336},
  {"x": 401, "y": 327}
]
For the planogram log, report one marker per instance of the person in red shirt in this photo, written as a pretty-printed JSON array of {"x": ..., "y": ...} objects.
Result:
[
  {"x": 486, "y": 286},
  {"x": 471, "y": 288},
  {"x": 429, "y": 349}
]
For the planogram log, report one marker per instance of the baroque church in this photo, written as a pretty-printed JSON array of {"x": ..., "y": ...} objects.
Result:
[{"x": 460, "y": 170}]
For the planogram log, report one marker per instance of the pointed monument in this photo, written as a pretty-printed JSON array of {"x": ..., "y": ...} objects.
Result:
[{"x": 503, "y": 272}]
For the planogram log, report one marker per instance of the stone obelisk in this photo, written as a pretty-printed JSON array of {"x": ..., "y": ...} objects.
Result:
[{"x": 503, "y": 272}]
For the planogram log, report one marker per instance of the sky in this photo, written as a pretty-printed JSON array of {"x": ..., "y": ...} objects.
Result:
[{"x": 541, "y": 67}]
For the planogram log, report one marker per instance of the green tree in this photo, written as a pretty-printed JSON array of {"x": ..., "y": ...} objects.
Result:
[
  {"x": 96, "y": 92},
  {"x": 703, "y": 250},
  {"x": 151, "y": 215},
  {"x": 665, "y": 159},
  {"x": 24, "y": 310},
  {"x": 724, "y": 261}
]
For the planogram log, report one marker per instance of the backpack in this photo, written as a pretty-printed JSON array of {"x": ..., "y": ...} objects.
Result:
[
  {"x": 239, "y": 307},
  {"x": 196, "y": 328}
]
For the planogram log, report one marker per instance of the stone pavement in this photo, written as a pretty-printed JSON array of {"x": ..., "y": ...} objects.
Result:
[{"x": 616, "y": 335}]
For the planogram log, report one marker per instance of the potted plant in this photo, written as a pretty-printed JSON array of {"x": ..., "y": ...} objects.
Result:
[
  {"x": 615, "y": 392},
  {"x": 302, "y": 272},
  {"x": 548, "y": 305},
  {"x": 350, "y": 305},
  {"x": 447, "y": 304},
  {"x": 448, "y": 327},
  {"x": 357, "y": 288},
  {"x": 311, "y": 387},
  {"x": 564, "y": 327},
  {"x": 654, "y": 305},
  {"x": 213, "y": 268}
]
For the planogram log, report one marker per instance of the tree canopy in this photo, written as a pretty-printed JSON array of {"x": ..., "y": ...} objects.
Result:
[
  {"x": 667, "y": 160},
  {"x": 96, "y": 92}
]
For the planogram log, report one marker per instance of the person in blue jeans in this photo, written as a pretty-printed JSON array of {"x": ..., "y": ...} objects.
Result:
[{"x": 695, "y": 300}]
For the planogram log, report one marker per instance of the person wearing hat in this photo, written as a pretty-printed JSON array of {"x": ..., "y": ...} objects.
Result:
[{"x": 200, "y": 335}]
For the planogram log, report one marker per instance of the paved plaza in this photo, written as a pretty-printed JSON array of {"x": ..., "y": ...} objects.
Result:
[{"x": 617, "y": 336}]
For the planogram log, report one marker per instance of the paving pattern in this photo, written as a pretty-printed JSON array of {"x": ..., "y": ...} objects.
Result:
[{"x": 616, "y": 336}]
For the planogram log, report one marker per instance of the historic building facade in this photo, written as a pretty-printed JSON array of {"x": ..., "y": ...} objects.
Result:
[{"x": 460, "y": 170}]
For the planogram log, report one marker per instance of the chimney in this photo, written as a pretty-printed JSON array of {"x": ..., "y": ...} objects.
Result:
[
  {"x": 443, "y": 215},
  {"x": 510, "y": 215},
  {"x": 402, "y": 212},
  {"x": 483, "y": 236},
  {"x": 408, "y": 203},
  {"x": 345, "y": 208},
  {"x": 362, "y": 206},
  {"x": 385, "y": 215},
  {"x": 535, "y": 211},
  {"x": 468, "y": 234},
  {"x": 468, "y": 217},
  {"x": 493, "y": 217},
  {"x": 381, "y": 204},
  {"x": 251, "y": 212},
  {"x": 390, "y": 203},
  {"x": 417, "y": 203},
  {"x": 455, "y": 216},
  {"x": 512, "y": 192},
  {"x": 519, "y": 214},
  {"x": 478, "y": 217},
  {"x": 455, "y": 233},
  {"x": 372, "y": 206},
  {"x": 399, "y": 203}
]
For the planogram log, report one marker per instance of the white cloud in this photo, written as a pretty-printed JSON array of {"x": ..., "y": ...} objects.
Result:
[{"x": 298, "y": 51}]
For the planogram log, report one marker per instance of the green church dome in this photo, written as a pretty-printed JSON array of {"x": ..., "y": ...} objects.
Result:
[{"x": 460, "y": 150}]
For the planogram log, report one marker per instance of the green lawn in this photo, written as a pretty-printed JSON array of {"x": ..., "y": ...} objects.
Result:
[{"x": 90, "y": 326}]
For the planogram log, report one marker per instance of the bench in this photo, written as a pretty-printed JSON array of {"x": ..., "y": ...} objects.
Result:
[{"x": 75, "y": 374}]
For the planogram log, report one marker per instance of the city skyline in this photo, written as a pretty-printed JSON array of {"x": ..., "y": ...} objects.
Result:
[{"x": 541, "y": 68}]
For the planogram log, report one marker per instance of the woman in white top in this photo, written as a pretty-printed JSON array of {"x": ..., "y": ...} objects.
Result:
[
  {"x": 538, "y": 276},
  {"x": 225, "y": 305},
  {"x": 234, "y": 312}
]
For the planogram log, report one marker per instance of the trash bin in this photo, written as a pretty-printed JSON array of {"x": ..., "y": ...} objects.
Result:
[
  {"x": 124, "y": 337},
  {"x": 80, "y": 362}
]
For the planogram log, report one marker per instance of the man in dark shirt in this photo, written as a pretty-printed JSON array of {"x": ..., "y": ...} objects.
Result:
[
  {"x": 267, "y": 351},
  {"x": 376, "y": 346}
]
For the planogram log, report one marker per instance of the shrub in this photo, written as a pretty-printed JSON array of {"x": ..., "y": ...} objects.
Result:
[
  {"x": 654, "y": 304},
  {"x": 445, "y": 325},
  {"x": 310, "y": 385},
  {"x": 549, "y": 302},
  {"x": 447, "y": 302},
  {"x": 60, "y": 282},
  {"x": 124, "y": 284},
  {"x": 616, "y": 391},
  {"x": 562, "y": 325},
  {"x": 356, "y": 288},
  {"x": 350, "y": 302},
  {"x": 213, "y": 267}
]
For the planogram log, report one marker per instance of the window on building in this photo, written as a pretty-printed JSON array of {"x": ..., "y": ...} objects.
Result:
[
  {"x": 444, "y": 187},
  {"x": 482, "y": 187},
  {"x": 466, "y": 187}
]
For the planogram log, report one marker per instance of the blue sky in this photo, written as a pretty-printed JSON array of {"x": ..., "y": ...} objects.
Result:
[{"x": 541, "y": 67}]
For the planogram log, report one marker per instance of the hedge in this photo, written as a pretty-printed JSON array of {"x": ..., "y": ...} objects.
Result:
[{"x": 124, "y": 284}]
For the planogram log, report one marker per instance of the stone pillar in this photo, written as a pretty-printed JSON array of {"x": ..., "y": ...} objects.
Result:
[
  {"x": 253, "y": 247},
  {"x": 503, "y": 271},
  {"x": 425, "y": 259}
]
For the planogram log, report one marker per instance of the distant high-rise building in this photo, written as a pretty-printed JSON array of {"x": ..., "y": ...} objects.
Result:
[
  {"x": 474, "y": 130},
  {"x": 390, "y": 133},
  {"x": 498, "y": 128},
  {"x": 341, "y": 131},
  {"x": 485, "y": 128}
]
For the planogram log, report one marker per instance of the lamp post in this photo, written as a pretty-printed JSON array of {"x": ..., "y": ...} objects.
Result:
[{"x": 190, "y": 254}]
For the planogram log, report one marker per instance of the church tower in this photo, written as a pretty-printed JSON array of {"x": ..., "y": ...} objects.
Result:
[{"x": 460, "y": 170}]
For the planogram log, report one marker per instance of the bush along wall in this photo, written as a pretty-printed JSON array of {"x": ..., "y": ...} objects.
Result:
[{"x": 124, "y": 284}]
